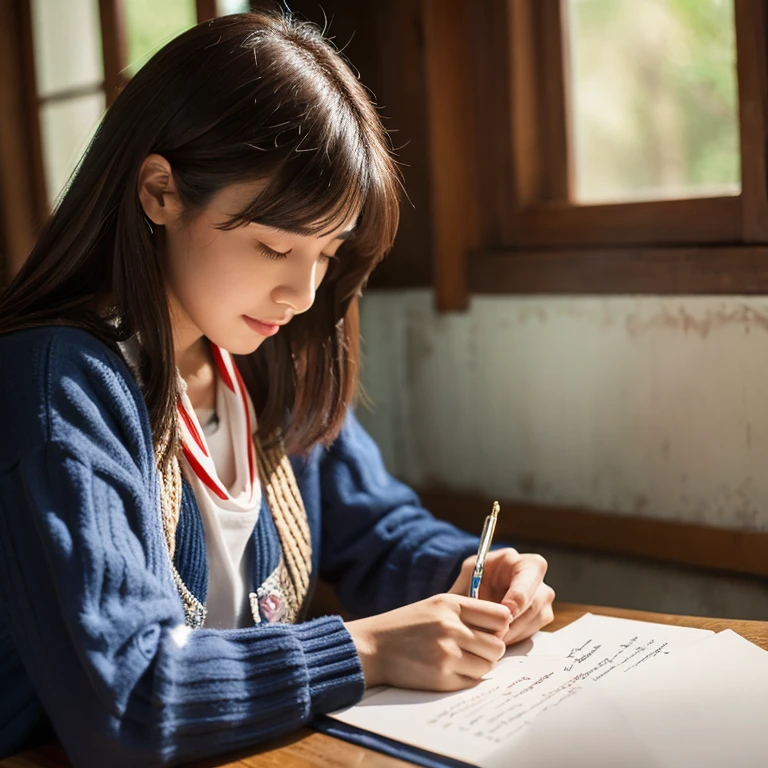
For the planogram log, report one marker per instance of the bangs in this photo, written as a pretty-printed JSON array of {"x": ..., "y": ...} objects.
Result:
[
  {"x": 312, "y": 190},
  {"x": 322, "y": 156}
]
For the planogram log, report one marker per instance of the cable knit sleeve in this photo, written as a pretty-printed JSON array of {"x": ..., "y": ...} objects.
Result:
[
  {"x": 89, "y": 603},
  {"x": 381, "y": 548}
]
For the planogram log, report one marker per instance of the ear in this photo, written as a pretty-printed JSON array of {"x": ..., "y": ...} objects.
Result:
[{"x": 157, "y": 190}]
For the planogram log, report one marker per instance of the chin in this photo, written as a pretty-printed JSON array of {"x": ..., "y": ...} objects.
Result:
[
  {"x": 236, "y": 344},
  {"x": 243, "y": 348}
]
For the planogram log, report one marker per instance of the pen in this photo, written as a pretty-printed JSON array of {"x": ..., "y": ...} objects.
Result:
[{"x": 482, "y": 550}]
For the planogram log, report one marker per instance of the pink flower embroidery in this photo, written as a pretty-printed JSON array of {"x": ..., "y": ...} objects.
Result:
[{"x": 271, "y": 607}]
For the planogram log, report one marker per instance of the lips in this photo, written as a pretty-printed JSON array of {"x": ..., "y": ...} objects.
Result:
[{"x": 262, "y": 327}]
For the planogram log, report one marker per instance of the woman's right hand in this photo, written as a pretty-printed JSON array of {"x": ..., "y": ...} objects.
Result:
[{"x": 444, "y": 643}]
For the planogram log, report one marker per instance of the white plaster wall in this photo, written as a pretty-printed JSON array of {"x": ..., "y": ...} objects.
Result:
[{"x": 629, "y": 405}]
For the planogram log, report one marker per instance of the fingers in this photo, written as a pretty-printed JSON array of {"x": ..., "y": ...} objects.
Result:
[
  {"x": 473, "y": 667},
  {"x": 468, "y": 660},
  {"x": 446, "y": 642},
  {"x": 483, "y": 645},
  {"x": 528, "y": 575},
  {"x": 472, "y": 641},
  {"x": 483, "y": 614},
  {"x": 538, "y": 615}
]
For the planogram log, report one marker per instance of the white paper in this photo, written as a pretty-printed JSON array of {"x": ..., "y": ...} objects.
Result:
[
  {"x": 468, "y": 725},
  {"x": 537, "y": 644},
  {"x": 559, "y": 739},
  {"x": 706, "y": 707},
  {"x": 599, "y": 645},
  {"x": 474, "y": 724}
]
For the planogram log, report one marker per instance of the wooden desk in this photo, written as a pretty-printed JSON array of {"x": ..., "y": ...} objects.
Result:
[{"x": 307, "y": 749}]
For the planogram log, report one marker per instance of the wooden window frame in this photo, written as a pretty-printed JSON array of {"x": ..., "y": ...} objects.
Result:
[
  {"x": 22, "y": 186},
  {"x": 507, "y": 225},
  {"x": 115, "y": 44},
  {"x": 115, "y": 60}
]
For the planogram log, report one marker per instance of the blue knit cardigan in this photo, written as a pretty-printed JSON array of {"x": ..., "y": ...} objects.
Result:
[{"x": 89, "y": 614}]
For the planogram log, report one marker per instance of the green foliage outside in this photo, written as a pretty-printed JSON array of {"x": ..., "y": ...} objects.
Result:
[
  {"x": 150, "y": 24},
  {"x": 654, "y": 96}
]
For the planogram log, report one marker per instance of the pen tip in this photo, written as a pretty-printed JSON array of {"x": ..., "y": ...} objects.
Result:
[{"x": 495, "y": 510}]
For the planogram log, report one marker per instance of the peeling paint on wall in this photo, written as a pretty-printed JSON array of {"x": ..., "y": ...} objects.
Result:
[
  {"x": 641, "y": 405},
  {"x": 653, "y": 406}
]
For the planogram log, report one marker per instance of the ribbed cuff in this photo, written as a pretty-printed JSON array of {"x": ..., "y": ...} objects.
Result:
[{"x": 335, "y": 673}]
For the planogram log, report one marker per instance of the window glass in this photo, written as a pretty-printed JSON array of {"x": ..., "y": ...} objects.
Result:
[{"x": 653, "y": 92}]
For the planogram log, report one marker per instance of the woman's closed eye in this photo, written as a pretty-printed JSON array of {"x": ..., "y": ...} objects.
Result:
[{"x": 270, "y": 253}]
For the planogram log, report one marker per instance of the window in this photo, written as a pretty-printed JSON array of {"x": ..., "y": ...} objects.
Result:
[
  {"x": 84, "y": 52},
  {"x": 149, "y": 25},
  {"x": 653, "y": 100},
  {"x": 70, "y": 82},
  {"x": 614, "y": 146}
]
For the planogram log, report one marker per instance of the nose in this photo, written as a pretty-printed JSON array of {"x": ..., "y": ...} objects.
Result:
[{"x": 298, "y": 287}]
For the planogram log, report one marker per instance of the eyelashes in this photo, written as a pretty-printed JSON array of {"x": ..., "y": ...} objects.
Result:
[
  {"x": 279, "y": 256},
  {"x": 270, "y": 254}
]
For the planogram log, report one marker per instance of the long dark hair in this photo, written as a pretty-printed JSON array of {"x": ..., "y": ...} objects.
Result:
[{"x": 240, "y": 98}]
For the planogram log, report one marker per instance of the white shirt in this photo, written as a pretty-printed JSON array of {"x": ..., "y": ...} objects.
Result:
[
  {"x": 228, "y": 523},
  {"x": 228, "y": 526}
]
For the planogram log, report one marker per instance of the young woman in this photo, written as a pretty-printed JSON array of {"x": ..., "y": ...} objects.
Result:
[{"x": 179, "y": 462}]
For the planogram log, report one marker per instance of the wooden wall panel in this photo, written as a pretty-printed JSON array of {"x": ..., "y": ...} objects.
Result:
[
  {"x": 22, "y": 192},
  {"x": 114, "y": 46},
  {"x": 451, "y": 130},
  {"x": 713, "y": 270},
  {"x": 751, "y": 18},
  {"x": 706, "y": 547}
]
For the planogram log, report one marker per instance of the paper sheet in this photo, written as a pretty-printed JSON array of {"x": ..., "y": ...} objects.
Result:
[
  {"x": 474, "y": 724},
  {"x": 599, "y": 645},
  {"x": 707, "y": 707}
]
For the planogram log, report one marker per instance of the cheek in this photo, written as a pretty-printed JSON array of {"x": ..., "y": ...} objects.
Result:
[{"x": 209, "y": 265}]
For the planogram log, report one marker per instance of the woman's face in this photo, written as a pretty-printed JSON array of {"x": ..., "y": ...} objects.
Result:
[{"x": 238, "y": 286}]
